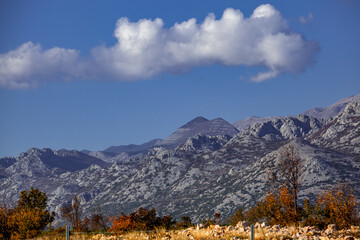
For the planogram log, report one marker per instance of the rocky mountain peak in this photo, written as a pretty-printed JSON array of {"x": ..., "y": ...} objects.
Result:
[
  {"x": 36, "y": 151},
  {"x": 195, "y": 121},
  {"x": 199, "y": 125}
]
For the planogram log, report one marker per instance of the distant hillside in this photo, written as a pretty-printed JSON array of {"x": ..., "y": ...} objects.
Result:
[{"x": 132, "y": 148}]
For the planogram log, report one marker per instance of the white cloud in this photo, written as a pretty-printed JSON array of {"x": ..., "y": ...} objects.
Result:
[
  {"x": 145, "y": 48},
  {"x": 29, "y": 65},
  {"x": 306, "y": 19}
]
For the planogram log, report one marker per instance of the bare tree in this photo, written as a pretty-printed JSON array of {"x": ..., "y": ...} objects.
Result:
[
  {"x": 72, "y": 213},
  {"x": 98, "y": 221},
  {"x": 286, "y": 169}
]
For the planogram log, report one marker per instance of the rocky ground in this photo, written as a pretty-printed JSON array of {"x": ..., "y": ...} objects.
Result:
[{"x": 241, "y": 231}]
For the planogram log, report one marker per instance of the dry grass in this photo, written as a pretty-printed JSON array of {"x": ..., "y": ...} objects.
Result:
[
  {"x": 209, "y": 234},
  {"x": 159, "y": 234}
]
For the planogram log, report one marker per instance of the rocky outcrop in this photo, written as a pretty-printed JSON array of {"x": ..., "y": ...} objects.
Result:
[
  {"x": 342, "y": 133},
  {"x": 204, "y": 143},
  {"x": 285, "y": 128}
]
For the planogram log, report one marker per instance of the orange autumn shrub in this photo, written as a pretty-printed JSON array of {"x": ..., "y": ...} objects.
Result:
[
  {"x": 122, "y": 223},
  {"x": 5, "y": 229},
  {"x": 275, "y": 208},
  {"x": 288, "y": 209},
  {"x": 28, "y": 218},
  {"x": 141, "y": 220},
  {"x": 26, "y": 223},
  {"x": 339, "y": 203}
]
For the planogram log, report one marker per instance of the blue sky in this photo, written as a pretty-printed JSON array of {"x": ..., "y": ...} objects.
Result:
[{"x": 78, "y": 86}]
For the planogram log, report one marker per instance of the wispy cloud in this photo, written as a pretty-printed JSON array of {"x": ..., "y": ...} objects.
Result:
[
  {"x": 306, "y": 19},
  {"x": 145, "y": 48}
]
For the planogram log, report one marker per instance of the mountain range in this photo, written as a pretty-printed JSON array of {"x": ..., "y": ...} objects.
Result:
[{"x": 205, "y": 166}]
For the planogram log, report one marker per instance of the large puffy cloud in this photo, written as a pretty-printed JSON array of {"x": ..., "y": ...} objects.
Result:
[{"x": 145, "y": 48}]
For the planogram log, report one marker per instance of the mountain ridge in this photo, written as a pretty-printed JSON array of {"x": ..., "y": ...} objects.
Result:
[
  {"x": 333, "y": 109},
  {"x": 202, "y": 175}
]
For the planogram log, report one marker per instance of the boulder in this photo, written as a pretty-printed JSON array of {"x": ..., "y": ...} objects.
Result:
[
  {"x": 229, "y": 229},
  {"x": 331, "y": 227},
  {"x": 200, "y": 226},
  {"x": 329, "y": 232},
  {"x": 242, "y": 224},
  {"x": 190, "y": 236},
  {"x": 304, "y": 229},
  {"x": 276, "y": 227},
  {"x": 264, "y": 224},
  {"x": 217, "y": 227},
  {"x": 355, "y": 228}
]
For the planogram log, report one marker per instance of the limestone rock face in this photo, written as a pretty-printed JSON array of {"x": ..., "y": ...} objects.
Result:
[
  {"x": 342, "y": 133},
  {"x": 284, "y": 128},
  {"x": 203, "y": 142}
]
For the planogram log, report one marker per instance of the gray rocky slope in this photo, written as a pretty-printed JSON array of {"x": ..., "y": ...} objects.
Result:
[
  {"x": 247, "y": 122},
  {"x": 332, "y": 110},
  {"x": 202, "y": 175}
]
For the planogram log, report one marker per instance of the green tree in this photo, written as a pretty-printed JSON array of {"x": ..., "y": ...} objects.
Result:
[
  {"x": 315, "y": 215},
  {"x": 33, "y": 199}
]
